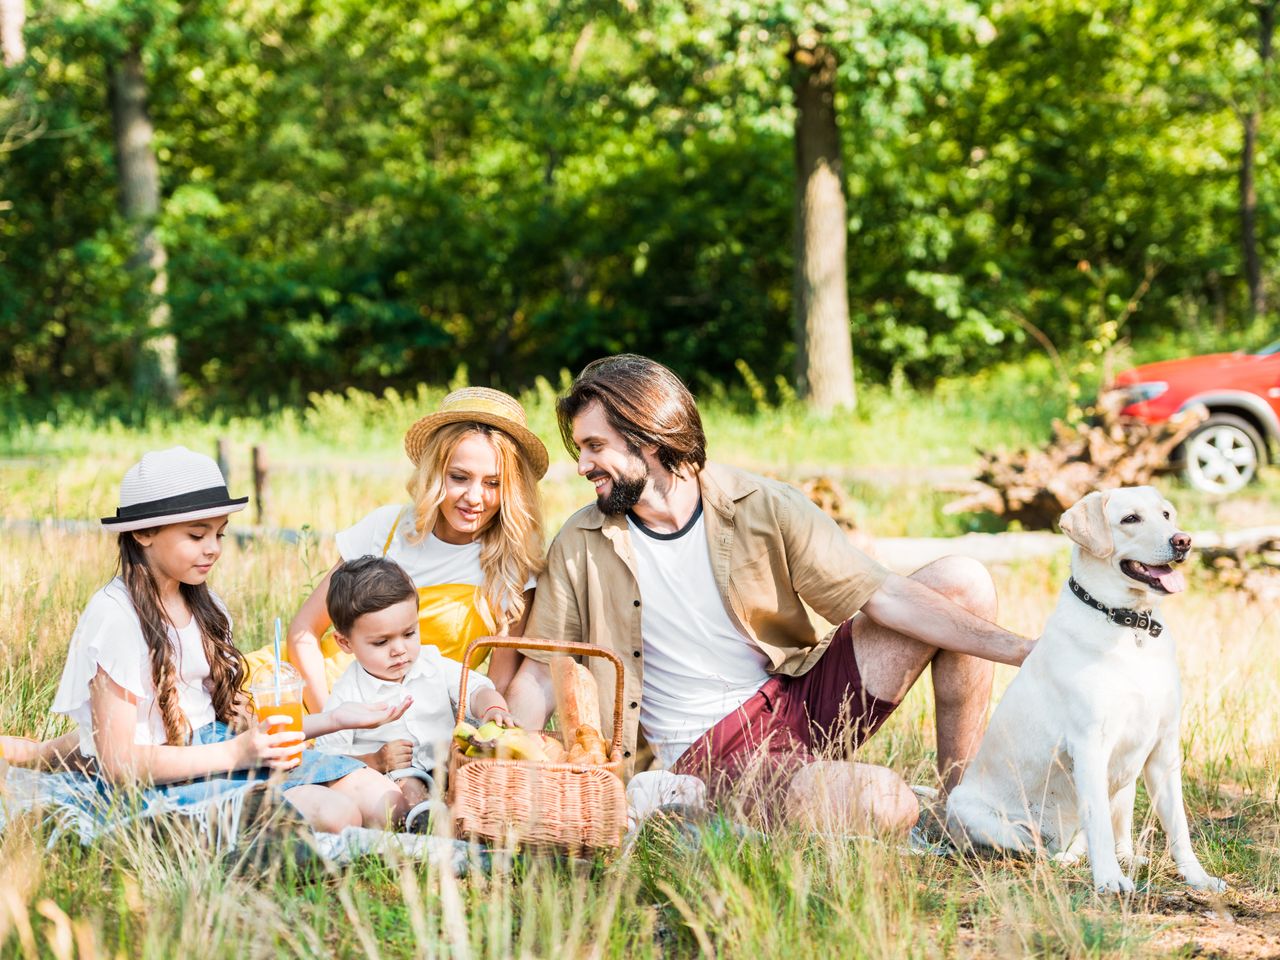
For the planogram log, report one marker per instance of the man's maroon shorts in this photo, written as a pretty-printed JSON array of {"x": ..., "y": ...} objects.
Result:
[{"x": 794, "y": 718}]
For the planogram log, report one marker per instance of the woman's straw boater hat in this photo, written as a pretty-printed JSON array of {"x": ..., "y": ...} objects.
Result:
[
  {"x": 172, "y": 486},
  {"x": 480, "y": 405}
]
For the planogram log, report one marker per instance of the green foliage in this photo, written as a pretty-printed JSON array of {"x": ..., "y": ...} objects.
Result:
[{"x": 368, "y": 195}]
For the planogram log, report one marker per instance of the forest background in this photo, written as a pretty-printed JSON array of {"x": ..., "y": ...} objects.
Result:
[{"x": 234, "y": 203}]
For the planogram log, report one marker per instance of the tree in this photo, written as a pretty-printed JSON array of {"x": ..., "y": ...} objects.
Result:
[
  {"x": 13, "y": 16},
  {"x": 824, "y": 365},
  {"x": 156, "y": 373},
  {"x": 1251, "y": 121}
]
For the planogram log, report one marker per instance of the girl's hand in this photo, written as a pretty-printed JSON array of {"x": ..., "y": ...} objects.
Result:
[
  {"x": 20, "y": 751},
  {"x": 362, "y": 716},
  {"x": 257, "y": 747},
  {"x": 499, "y": 715}
]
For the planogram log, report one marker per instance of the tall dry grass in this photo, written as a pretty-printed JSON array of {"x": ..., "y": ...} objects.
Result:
[{"x": 720, "y": 892}]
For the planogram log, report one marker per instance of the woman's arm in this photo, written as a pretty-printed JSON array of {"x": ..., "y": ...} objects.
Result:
[
  {"x": 120, "y": 760},
  {"x": 505, "y": 662},
  {"x": 305, "y": 630},
  {"x": 532, "y": 695}
]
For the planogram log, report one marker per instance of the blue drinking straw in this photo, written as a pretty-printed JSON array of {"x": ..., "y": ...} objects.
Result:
[{"x": 277, "y": 660}]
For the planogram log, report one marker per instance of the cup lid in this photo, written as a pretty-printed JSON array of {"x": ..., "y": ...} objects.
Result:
[{"x": 264, "y": 676}]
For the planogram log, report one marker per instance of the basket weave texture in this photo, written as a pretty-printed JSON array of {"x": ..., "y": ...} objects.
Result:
[{"x": 573, "y": 806}]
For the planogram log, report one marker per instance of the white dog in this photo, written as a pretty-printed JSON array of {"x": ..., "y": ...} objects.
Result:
[{"x": 1095, "y": 704}]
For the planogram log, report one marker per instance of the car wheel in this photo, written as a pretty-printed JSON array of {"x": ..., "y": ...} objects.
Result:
[{"x": 1222, "y": 454}]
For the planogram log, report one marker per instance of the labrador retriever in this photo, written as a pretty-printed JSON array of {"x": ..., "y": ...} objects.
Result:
[{"x": 1095, "y": 704}]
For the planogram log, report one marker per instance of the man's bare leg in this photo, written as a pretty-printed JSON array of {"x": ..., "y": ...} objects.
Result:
[{"x": 891, "y": 663}]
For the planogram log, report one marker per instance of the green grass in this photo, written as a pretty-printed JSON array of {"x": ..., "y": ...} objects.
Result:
[{"x": 899, "y": 456}]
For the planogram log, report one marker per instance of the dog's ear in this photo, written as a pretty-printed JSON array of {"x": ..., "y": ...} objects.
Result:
[{"x": 1086, "y": 524}]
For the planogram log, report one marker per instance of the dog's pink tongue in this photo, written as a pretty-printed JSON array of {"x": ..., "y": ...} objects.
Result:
[{"x": 1170, "y": 578}]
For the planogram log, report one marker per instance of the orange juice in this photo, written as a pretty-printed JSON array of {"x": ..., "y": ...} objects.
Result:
[
  {"x": 279, "y": 717},
  {"x": 277, "y": 699}
]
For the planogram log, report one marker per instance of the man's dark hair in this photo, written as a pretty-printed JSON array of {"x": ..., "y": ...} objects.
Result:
[
  {"x": 645, "y": 402},
  {"x": 366, "y": 585}
]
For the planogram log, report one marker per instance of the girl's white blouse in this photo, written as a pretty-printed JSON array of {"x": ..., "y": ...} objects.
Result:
[{"x": 109, "y": 638}]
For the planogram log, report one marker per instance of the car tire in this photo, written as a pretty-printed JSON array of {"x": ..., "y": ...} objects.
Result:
[{"x": 1222, "y": 455}]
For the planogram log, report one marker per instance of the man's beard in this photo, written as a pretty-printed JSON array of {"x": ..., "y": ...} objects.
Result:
[{"x": 624, "y": 492}]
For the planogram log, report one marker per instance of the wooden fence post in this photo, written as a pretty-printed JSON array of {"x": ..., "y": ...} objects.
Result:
[
  {"x": 261, "y": 491},
  {"x": 223, "y": 457}
]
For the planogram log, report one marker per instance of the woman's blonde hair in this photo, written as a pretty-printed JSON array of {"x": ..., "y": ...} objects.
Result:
[{"x": 511, "y": 544}]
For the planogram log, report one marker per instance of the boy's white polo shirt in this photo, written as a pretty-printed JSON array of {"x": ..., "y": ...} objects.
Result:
[{"x": 432, "y": 681}]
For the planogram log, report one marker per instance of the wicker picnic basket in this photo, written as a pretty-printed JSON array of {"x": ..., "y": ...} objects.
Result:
[{"x": 564, "y": 805}]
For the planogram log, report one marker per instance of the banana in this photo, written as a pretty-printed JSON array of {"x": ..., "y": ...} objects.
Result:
[{"x": 463, "y": 733}]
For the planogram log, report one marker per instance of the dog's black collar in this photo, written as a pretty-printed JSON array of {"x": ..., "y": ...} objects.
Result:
[{"x": 1125, "y": 618}]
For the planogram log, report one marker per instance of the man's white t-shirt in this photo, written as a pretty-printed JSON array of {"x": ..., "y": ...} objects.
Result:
[
  {"x": 699, "y": 666},
  {"x": 109, "y": 638}
]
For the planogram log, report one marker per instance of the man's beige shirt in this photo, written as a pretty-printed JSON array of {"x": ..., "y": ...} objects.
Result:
[{"x": 771, "y": 549}]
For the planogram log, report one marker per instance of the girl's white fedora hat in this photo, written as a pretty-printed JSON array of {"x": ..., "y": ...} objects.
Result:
[{"x": 172, "y": 486}]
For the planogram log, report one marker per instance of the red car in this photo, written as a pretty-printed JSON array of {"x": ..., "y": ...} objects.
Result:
[{"x": 1242, "y": 392}]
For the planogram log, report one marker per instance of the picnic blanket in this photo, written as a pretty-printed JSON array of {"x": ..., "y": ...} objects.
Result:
[{"x": 75, "y": 805}]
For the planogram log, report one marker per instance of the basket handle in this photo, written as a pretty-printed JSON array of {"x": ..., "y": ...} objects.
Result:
[{"x": 551, "y": 646}]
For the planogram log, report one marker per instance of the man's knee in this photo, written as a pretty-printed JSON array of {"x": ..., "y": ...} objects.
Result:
[{"x": 963, "y": 581}]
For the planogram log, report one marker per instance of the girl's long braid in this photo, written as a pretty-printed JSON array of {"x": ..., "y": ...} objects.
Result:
[{"x": 227, "y": 667}]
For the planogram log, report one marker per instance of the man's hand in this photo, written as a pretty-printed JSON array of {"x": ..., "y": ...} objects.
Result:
[{"x": 395, "y": 755}]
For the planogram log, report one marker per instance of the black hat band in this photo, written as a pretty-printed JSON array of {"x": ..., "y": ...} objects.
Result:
[{"x": 208, "y": 498}]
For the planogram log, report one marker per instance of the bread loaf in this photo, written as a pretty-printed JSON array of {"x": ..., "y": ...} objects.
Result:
[{"x": 577, "y": 697}]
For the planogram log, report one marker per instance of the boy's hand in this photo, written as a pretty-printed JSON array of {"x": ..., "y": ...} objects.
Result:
[
  {"x": 499, "y": 715},
  {"x": 362, "y": 716},
  {"x": 395, "y": 755}
]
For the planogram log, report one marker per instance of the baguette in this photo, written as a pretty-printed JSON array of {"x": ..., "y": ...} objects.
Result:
[{"x": 577, "y": 697}]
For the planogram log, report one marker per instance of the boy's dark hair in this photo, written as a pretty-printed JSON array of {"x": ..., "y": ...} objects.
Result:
[
  {"x": 365, "y": 585},
  {"x": 645, "y": 402}
]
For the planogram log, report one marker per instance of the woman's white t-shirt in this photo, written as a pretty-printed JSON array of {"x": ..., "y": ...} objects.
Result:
[
  {"x": 109, "y": 637},
  {"x": 428, "y": 562}
]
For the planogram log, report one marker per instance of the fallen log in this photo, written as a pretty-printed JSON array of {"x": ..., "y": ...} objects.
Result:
[{"x": 1035, "y": 486}]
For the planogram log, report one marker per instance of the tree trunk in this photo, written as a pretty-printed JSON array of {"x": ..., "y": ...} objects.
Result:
[
  {"x": 1252, "y": 122},
  {"x": 824, "y": 362},
  {"x": 13, "y": 16},
  {"x": 156, "y": 372}
]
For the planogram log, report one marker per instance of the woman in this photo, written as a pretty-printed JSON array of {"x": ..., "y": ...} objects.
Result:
[{"x": 470, "y": 538}]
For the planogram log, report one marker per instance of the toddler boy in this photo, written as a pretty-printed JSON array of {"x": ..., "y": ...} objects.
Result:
[{"x": 374, "y": 608}]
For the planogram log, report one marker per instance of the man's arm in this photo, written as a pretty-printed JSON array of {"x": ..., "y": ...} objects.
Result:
[{"x": 911, "y": 608}]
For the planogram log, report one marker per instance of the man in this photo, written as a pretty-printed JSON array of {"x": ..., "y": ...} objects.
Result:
[{"x": 694, "y": 574}]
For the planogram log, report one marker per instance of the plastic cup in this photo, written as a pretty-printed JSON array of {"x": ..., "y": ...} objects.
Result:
[{"x": 278, "y": 701}]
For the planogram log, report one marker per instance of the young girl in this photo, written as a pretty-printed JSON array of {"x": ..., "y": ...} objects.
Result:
[
  {"x": 155, "y": 684},
  {"x": 471, "y": 539}
]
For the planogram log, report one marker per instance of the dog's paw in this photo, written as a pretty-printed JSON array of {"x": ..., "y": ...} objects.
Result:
[
  {"x": 1205, "y": 882},
  {"x": 1112, "y": 883},
  {"x": 1131, "y": 859},
  {"x": 1066, "y": 858}
]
